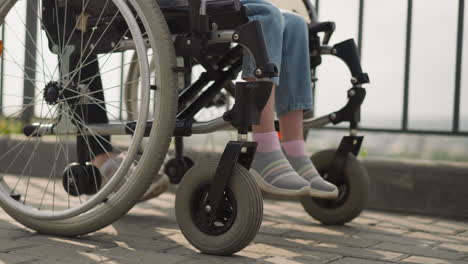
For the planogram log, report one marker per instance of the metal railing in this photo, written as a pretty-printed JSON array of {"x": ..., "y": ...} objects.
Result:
[
  {"x": 405, "y": 124},
  {"x": 455, "y": 130}
]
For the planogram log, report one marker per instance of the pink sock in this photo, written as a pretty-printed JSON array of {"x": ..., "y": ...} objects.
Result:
[
  {"x": 295, "y": 148},
  {"x": 267, "y": 142}
]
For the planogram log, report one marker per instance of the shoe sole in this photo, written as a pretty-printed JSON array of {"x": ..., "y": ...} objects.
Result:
[
  {"x": 306, "y": 191},
  {"x": 268, "y": 188},
  {"x": 324, "y": 195}
]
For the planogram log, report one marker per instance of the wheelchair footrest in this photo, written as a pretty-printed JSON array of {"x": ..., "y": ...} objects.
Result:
[{"x": 251, "y": 98}]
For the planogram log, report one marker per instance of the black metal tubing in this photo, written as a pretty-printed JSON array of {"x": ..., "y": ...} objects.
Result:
[
  {"x": 317, "y": 6},
  {"x": 458, "y": 67},
  {"x": 409, "y": 28},
  {"x": 210, "y": 75},
  {"x": 408, "y": 131},
  {"x": 348, "y": 53},
  {"x": 351, "y": 112},
  {"x": 198, "y": 22},
  {"x": 204, "y": 99},
  {"x": 29, "y": 60},
  {"x": 232, "y": 154},
  {"x": 1, "y": 72},
  {"x": 349, "y": 144},
  {"x": 360, "y": 27},
  {"x": 250, "y": 35},
  {"x": 311, "y": 10},
  {"x": 191, "y": 90}
]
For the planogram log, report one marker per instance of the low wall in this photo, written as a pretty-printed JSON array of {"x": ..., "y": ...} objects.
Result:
[{"x": 426, "y": 187}]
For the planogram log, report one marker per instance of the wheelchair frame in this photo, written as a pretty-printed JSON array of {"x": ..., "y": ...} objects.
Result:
[{"x": 205, "y": 41}]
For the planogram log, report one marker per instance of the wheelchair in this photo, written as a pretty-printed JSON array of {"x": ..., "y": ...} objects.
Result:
[{"x": 70, "y": 116}]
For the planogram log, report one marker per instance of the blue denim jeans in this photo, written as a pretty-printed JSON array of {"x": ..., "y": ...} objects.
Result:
[{"x": 287, "y": 39}]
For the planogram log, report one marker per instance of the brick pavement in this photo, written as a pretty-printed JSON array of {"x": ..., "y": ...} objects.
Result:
[{"x": 149, "y": 234}]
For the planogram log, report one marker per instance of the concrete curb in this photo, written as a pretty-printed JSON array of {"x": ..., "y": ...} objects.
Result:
[{"x": 425, "y": 187}]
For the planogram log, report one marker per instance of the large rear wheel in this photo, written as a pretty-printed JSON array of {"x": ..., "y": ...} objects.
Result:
[{"x": 71, "y": 109}]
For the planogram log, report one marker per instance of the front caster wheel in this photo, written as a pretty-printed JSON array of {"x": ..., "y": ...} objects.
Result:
[
  {"x": 353, "y": 193},
  {"x": 236, "y": 222},
  {"x": 175, "y": 169}
]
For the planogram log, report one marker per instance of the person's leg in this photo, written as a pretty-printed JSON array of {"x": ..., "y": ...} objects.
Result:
[
  {"x": 270, "y": 167},
  {"x": 97, "y": 146},
  {"x": 295, "y": 95}
]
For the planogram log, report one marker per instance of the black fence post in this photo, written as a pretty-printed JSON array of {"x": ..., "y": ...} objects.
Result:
[
  {"x": 458, "y": 67},
  {"x": 360, "y": 26},
  {"x": 409, "y": 27},
  {"x": 30, "y": 61},
  {"x": 1, "y": 70}
]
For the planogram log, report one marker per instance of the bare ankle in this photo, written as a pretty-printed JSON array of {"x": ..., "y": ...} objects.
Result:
[{"x": 100, "y": 159}]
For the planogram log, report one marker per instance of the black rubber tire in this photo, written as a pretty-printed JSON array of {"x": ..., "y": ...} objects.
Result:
[
  {"x": 356, "y": 199},
  {"x": 163, "y": 126},
  {"x": 249, "y": 210}
]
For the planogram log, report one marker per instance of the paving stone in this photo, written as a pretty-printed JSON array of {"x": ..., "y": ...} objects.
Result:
[
  {"x": 394, "y": 239},
  {"x": 319, "y": 229},
  {"x": 58, "y": 254},
  {"x": 341, "y": 240},
  {"x": 397, "y": 228},
  {"x": 295, "y": 254},
  {"x": 122, "y": 255},
  {"x": 456, "y": 225},
  {"x": 15, "y": 233},
  {"x": 440, "y": 238},
  {"x": 283, "y": 260},
  {"x": 409, "y": 224},
  {"x": 183, "y": 251},
  {"x": 241, "y": 257},
  {"x": 289, "y": 242},
  {"x": 365, "y": 253},
  {"x": 455, "y": 247},
  {"x": 134, "y": 242},
  {"x": 357, "y": 261},
  {"x": 10, "y": 225},
  {"x": 378, "y": 229},
  {"x": 8, "y": 245},
  {"x": 177, "y": 238},
  {"x": 421, "y": 219},
  {"x": 420, "y": 251},
  {"x": 426, "y": 260},
  {"x": 149, "y": 234},
  {"x": 9, "y": 258},
  {"x": 195, "y": 257},
  {"x": 73, "y": 243},
  {"x": 365, "y": 221},
  {"x": 273, "y": 230}
]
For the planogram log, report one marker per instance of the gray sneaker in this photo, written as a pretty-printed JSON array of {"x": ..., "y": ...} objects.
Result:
[
  {"x": 274, "y": 175},
  {"x": 319, "y": 188}
]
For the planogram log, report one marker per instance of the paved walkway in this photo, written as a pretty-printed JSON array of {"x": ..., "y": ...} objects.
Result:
[{"x": 149, "y": 234}]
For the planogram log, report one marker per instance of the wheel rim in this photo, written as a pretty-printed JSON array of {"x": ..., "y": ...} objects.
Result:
[
  {"x": 225, "y": 215},
  {"x": 198, "y": 145},
  {"x": 343, "y": 189},
  {"x": 55, "y": 106}
]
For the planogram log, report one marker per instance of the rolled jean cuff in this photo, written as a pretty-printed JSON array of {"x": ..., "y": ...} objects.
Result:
[{"x": 280, "y": 110}]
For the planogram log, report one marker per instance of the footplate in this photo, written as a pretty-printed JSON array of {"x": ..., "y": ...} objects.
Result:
[{"x": 251, "y": 98}]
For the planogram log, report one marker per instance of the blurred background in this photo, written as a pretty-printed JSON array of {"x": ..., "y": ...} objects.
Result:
[{"x": 413, "y": 50}]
